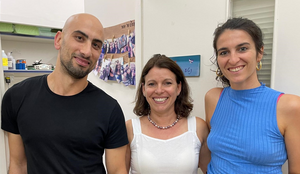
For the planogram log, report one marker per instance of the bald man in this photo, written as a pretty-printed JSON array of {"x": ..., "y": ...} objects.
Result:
[{"x": 61, "y": 123}]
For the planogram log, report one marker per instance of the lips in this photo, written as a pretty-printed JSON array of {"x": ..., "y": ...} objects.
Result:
[
  {"x": 160, "y": 99},
  {"x": 82, "y": 62},
  {"x": 236, "y": 69}
]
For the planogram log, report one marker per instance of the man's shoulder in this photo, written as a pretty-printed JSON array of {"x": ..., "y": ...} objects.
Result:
[
  {"x": 98, "y": 92},
  {"x": 29, "y": 83}
]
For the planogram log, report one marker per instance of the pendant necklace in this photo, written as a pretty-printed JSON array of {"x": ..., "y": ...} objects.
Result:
[{"x": 162, "y": 127}]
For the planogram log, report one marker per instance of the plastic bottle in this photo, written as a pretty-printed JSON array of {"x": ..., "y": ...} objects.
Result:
[
  {"x": 4, "y": 60},
  {"x": 11, "y": 61}
]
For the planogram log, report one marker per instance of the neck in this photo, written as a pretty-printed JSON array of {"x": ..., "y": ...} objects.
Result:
[
  {"x": 244, "y": 86},
  {"x": 65, "y": 85},
  {"x": 163, "y": 120}
]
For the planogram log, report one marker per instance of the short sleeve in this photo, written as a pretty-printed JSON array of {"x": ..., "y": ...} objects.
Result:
[
  {"x": 117, "y": 134},
  {"x": 8, "y": 116}
]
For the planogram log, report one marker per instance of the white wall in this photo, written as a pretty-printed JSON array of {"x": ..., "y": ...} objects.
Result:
[
  {"x": 175, "y": 28},
  {"x": 286, "y": 62},
  {"x": 111, "y": 12},
  {"x": 286, "y": 71}
]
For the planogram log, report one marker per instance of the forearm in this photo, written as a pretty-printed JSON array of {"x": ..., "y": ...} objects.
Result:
[
  {"x": 115, "y": 160},
  {"x": 17, "y": 168},
  {"x": 18, "y": 160},
  {"x": 118, "y": 171},
  {"x": 204, "y": 157}
]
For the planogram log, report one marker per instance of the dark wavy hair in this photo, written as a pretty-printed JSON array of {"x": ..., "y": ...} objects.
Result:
[
  {"x": 237, "y": 24},
  {"x": 183, "y": 102}
]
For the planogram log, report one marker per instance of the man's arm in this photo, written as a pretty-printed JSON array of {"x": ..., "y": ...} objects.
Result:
[
  {"x": 115, "y": 160},
  {"x": 18, "y": 161}
]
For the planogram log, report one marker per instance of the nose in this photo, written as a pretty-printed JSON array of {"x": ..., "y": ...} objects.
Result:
[
  {"x": 86, "y": 49},
  {"x": 159, "y": 89},
  {"x": 234, "y": 58}
]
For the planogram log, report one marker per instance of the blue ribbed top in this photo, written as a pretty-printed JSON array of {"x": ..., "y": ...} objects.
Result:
[{"x": 244, "y": 135}]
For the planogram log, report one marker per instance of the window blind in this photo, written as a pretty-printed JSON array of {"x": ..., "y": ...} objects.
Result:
[{"x": 262, "y": 13}]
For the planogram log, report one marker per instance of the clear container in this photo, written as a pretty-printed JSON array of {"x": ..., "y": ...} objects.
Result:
[
  {"x": 4, "y": 60},
  {"x": 11, "y": 61}
]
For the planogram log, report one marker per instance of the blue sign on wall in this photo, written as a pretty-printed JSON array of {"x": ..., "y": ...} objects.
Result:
[{"x": 190, "y": 65}]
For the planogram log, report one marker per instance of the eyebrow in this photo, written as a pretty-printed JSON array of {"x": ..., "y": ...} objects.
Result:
[
  {"x": 85, "y": 35},
  {"x": 239, "y": 45},
  {"x": 153, "y": 80}
]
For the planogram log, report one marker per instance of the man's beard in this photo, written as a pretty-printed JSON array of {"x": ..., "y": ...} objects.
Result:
[{"x": 76, "y": 73}]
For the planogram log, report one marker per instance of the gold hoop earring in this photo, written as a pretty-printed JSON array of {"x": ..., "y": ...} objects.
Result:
[
  {"x": 219, "y": 72},
  {"x": 260, "y": 65}
]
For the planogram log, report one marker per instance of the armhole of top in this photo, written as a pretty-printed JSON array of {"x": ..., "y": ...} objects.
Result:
[
  {"x": 136, "y": 126},
  {"x": 191, "y": 123},
  {"x": 216, "y": 107},
  {"x": 279, "y": 97},
  {"x": 221, "y": 92}
]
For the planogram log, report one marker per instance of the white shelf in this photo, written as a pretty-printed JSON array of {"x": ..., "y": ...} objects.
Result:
[
  {"x": 26, "y": 38},
  {"x": 27, "y": 71}
]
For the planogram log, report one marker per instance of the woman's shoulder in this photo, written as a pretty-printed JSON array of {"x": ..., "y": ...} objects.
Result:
[
  {"x": 288, "y": 112},
  {"x": 289, "y": 104},
  {"x": 200, "y": 123},
  {"x": 129, "y": 123},
  {"x": 211, "y": 100},
  {"x": 129, "y": 129},
  {"x": 201, "y": 128},
  {"x": 213, "y": 93},
  {"x": 199, "y": 120},
  {"x": 134, "y": 121}
]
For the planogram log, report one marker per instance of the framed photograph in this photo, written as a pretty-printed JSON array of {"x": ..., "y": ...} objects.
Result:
[{"x": 190, "y": 65}]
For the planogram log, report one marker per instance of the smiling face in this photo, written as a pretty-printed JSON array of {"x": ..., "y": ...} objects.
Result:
[
  {"x": 237, "y": 58},
  {"x": 161, "y": 90},
  {"x": 79, "y": 45}
]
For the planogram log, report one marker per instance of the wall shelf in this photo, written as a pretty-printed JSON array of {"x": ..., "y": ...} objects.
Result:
[
  {"x": 25, "y": 35},
  {"x": 19, "y": 75},
  {"x": 26, "y": 38},
  {"x": 27, "y": 71}
]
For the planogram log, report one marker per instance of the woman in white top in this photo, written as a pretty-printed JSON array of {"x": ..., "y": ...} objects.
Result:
[{"x": 164, "y": 139}]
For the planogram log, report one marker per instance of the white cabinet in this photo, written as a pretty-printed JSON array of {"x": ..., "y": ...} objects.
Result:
[{"x": 39, "y": 12}]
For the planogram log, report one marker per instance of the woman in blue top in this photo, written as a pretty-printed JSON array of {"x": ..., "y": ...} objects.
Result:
[{"x": 253, "y": 128}]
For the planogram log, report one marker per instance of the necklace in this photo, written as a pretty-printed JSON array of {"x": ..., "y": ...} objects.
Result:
[{"x": 162, "y": 127}]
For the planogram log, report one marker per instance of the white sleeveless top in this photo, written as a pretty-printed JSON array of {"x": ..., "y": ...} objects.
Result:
[{"x": 155, "y": 156}]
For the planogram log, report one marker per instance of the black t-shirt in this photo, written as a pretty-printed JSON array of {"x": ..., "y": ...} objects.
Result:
[{"x": 63, "y": 134}]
